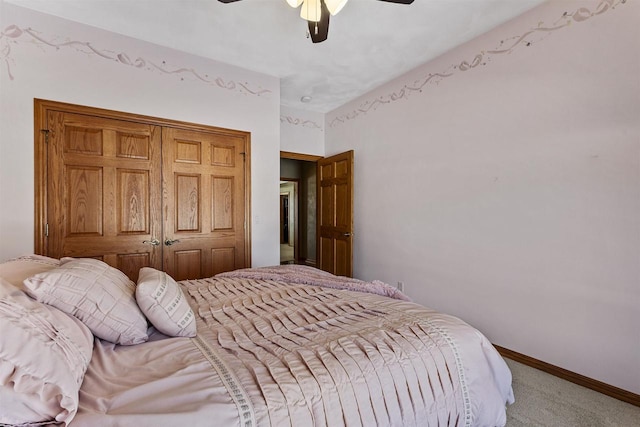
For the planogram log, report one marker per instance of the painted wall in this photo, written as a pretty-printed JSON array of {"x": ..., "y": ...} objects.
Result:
[
  {"x": 301, "y": 131},
  {"x": 46, "y": 57},
  {"x": 501, "y": 183}
]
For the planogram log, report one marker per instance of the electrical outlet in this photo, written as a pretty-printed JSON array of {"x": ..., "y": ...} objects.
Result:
[{"x": 400, "y": 286}]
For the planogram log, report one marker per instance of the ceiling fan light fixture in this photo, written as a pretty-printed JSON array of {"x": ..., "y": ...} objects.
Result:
[
  {"x": 317, "y": 13},
  {"x": 311, "y": 10},
  {"x": 335, "y": 6},
  {"x": 294, "y": 3}
]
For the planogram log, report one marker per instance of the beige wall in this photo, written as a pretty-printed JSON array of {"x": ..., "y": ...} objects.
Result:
[
  {"x": 501, "y": 183},
  {"x": 301, "y": 131}
]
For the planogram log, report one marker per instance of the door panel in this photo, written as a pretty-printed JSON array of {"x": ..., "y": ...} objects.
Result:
[
  {"x": 187, "y": 202},
  {"x": 84, "y": 208},
  {"x": 203, "y": 203},
  {"x": 187, "y": 264},
  {"x": 224, "y": 259},
  {"x": 343, "y": 204},
  {"x": 132, "y": 263},
  {"x": 103, "y": 194},
  {"x": 327, "y": 254},
  {"x": 222, "y": 197},
  {"x": 335, "y": 209},
  {"x": 133, "y": 198}
]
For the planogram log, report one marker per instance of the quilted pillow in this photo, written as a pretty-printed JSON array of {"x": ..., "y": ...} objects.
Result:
[
  {"x": 102, "y": 297},
  {"x": 162, "y": 301},
  {"x": 44, "y": 354},
  {"x": 16, "y": 270}
]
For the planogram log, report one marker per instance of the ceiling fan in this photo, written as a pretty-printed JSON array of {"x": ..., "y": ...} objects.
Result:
[{"x": 317, "y": 12}]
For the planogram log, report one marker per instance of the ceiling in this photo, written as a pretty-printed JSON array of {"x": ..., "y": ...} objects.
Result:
[{"x": 370, "y": 42}]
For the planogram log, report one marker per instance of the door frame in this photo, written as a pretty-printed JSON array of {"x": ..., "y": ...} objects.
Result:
[
  {"x": 307, "y": 158},
  {"x": 41, "y": 110}
]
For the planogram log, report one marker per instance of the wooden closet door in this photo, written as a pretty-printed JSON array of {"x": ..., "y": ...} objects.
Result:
[
  {"x": 203, "y": 202},
  {"x": 104, "y": 191}
]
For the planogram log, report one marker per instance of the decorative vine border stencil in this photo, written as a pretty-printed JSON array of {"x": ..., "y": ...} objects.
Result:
[
  {"x": 13, "y": 34},
  {"x": 505, "y": 46},
  {"x": 300, "y": 122}
]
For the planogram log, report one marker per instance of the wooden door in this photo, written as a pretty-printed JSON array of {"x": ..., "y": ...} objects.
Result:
[
  {"x": 203, "y": 202},
  {"x": 335, "y": 214},
  {"x": 103, "y": 191}
]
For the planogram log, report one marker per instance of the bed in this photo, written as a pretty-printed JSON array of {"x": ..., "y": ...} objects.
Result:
[{"x": 82, "y": 345}]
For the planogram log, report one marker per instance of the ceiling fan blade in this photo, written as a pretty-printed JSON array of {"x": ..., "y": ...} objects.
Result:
[
  {"x": 319, "y": 31},
  {"x": 395, "y": 1},
  {"x": 227, "y": 1}
]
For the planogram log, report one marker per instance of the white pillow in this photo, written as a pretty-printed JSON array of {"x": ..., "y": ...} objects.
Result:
[
  {"x": 16, "y": 270},
  {"x": 162, "y": 301},
  {"x": 44, "y": 354},
  {"x": 99, "y": 295}
]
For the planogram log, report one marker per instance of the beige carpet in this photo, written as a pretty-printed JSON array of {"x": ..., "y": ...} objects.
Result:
[
  {"x": 286, "y": 254},
  {"x": 545, "y": 400}
]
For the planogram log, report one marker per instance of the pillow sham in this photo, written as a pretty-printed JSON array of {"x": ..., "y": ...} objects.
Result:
[
  {"x": 16, "y": 270},
  {"x": 161, "y": 299},
  {"x": 44, "y": 354},
  {"x": 102, "y": 297}
]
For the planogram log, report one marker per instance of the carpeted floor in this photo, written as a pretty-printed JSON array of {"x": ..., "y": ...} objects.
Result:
[
  {"x": 286, "y": 254},
  {"x": 545, "y": 400}
]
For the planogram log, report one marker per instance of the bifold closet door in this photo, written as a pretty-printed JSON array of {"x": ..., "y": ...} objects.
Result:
[
  {"x": 104, "y": 191},
  {"x": 203, "y": 202}
]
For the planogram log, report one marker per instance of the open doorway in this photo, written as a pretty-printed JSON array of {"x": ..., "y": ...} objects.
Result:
[
  {"x": 298, "y": 190},
  {"x": 289, "y": 243},
  {"x": 324, "y": 222}
]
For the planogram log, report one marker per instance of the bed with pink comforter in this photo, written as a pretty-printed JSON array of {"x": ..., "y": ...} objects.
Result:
[{"x": 271, "y": 352}]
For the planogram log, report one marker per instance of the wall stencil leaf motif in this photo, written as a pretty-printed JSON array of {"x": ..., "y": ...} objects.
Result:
[
  {"x": 13, "y": 34},
  {"x": 506, "y": 46},
  {"x": 300, "y": 122}
]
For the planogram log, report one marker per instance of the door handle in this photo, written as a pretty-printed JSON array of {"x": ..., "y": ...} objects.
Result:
[
  {"x": 170, "y": 242},
  {"x": 346, "y": 234},
  {"x": 153, "y": 242}
]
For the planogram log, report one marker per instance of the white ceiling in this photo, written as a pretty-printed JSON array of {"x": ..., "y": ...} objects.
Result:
[{"x": 370, "y": 42}]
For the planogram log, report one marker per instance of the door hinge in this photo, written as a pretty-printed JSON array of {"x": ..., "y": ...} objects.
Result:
[
  {"x": 244, "y": 156},
  {"x": 46, "y": 230},
  {"x": 46, "y": 135}
]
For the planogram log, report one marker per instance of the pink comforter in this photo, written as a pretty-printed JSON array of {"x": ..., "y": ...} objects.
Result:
[
  {"x": 305, "y": 275},
  {"x": 270, "y": 353}
]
